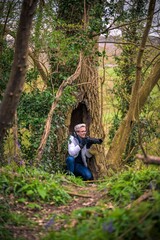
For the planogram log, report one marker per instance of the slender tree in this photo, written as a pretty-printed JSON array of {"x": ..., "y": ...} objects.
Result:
[{"x": 17, "y": 76}]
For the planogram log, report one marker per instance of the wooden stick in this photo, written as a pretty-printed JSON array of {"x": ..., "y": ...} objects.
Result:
[{"x": 79, "y": 195}]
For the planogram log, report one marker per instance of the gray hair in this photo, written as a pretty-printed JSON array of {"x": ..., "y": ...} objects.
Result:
[{"x": 78, "y": 126}]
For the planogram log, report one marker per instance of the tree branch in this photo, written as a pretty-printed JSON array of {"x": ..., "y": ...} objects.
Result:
[
  {"x": 59, "y": 93},
  {"x": 149, "y": 159}
]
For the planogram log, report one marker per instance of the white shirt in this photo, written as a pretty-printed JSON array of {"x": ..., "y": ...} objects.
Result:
[{"x": 74, "y": 149}]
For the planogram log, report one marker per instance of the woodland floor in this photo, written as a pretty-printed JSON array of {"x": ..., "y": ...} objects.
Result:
[{"x": 48, "y": 217}]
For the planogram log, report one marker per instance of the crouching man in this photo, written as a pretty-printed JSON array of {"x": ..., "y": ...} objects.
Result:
[{"x": 78, "y": 149}]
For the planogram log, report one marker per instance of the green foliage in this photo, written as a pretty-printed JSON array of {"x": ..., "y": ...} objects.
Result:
[
  {"x": 5, "y": 67},
  {"x": 119, "y": 224},
  {"x": 129, "y": 185},
  {"x": 76, "y": 180},
  {"x": 33, "y": 111},
  {"x": 9, "y": 219},
  {"x": 32, "y": 185},
  {"x": 31, "y": 76},
  {"x": 99, "y": 222}
]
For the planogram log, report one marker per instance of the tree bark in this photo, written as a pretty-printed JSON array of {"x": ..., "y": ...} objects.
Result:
[
  {"x": 17, "y": 76},
  {"x": 138, "y": 98}
]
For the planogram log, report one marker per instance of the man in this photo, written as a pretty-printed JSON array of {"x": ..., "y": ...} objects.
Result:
[{"x": 78, "y": 149}]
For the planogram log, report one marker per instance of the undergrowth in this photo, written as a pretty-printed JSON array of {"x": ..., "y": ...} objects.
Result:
[
  {"x": 33, "y": 185},
  {"x": 110, "y": 219},
  {"x": 129, "y": 185},
  {"x": 9, "y": 220},
  {"x": 137, "y": 223}
]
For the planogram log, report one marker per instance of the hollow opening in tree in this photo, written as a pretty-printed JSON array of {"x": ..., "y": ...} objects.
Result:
[{"x": 80, "y": 115}]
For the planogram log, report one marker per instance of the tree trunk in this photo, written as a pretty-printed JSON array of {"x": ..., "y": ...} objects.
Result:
[
  {"x": 138, "y": 98},
  {"x": 88, "y": 110},
  {"x": 17, "y": 77},
  {"x": 117, "y": 148}
]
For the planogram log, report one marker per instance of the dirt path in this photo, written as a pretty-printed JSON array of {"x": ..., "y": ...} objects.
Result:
[{"x": 48, "y": 217}]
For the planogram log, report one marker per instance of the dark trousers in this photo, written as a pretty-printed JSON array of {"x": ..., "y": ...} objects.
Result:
[{"x": 78, "y": 169}]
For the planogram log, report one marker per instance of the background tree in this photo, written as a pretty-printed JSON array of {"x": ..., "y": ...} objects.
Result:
[
  {"x": 17, "y": 76},
  {"x": 118, "y": 146},
  {"x": 126, "y": 70}
]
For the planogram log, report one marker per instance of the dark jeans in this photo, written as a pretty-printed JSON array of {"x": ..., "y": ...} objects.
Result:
[{"x": 78, "y": 169}]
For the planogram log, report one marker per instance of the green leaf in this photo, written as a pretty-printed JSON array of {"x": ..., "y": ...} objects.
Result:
[
  {"x": 42, "y": 191},
  {"x": 30, "y": 192},
  {"x": 22, "y": 200},
  {"x": 34, "y": 206}
]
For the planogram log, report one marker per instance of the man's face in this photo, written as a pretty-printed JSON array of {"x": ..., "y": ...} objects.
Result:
[{"x": 82, "y": 132}]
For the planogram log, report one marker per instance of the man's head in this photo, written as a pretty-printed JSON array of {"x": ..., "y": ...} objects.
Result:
[{"x": 80, "y": 129}]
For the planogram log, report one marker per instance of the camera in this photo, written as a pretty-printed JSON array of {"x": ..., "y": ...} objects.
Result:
[{"x": 90, "y": 141}]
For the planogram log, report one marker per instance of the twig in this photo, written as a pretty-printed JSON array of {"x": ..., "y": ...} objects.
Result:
[
  {"x": 79, "y": 195},
  {"x": 140, "y": 199}
]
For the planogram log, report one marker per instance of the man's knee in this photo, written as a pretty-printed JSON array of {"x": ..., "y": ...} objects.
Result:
[
  {"x": 87, "y": 175},
  {"x": 70, "y": 159}
]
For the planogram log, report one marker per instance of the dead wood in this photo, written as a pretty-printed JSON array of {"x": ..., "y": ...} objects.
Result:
[
  {"x": 149, "y": 159},
  {"x": 79, "y": 195}
]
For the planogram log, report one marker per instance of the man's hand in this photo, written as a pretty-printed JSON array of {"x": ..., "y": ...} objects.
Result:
[
  {"x": 100, "y": 141},
  {"x": 82, "y": 142}
]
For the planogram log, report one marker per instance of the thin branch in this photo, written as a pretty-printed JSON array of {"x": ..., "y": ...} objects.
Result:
[
  {"x": 118, "y": 27},
  {"x": 59, "y": 93},
  {"x": 123, "y": 25},
  {"x": 151, "y": 62},
  {"x": 128, "y": 43}
]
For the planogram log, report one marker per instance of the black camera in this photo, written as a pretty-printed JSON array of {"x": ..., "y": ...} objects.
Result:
[{"x": 91, "y": 141}]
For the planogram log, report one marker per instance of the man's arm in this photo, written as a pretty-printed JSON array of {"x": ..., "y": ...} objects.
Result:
[{"x": 73, "y": 150}]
